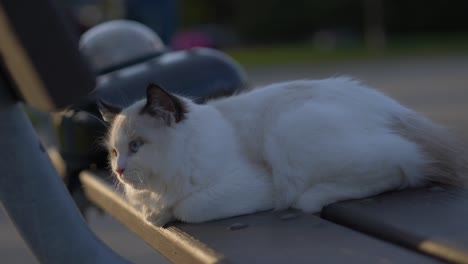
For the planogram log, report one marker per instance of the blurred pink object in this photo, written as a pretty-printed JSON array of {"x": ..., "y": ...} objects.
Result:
[{"x": 189, "y": 39}]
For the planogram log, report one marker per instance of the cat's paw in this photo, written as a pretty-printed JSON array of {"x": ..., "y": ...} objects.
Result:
[
  {"x": 315, "y": 198},
  {"x": 159, "y": 219},
  {"x": 311, "y": 207}
]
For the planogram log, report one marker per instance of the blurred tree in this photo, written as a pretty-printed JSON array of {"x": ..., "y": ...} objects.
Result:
[
  {"x": 278, "y": 21},
  {"x": 159, "y": 15},
  {"x": 293, "y": 20},
  {"x": 404, "y": 17},
  {"x": 374, "y": 25}
]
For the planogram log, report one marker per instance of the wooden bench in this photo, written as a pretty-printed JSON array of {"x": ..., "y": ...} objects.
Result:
[{"x": 412, "y": 226}]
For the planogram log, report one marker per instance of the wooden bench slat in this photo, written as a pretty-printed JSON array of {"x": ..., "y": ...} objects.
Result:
[
  {"x": 175, "y": 245},
  {"x": 431, "y": 220},
  {"x": 268, "y": 237}
]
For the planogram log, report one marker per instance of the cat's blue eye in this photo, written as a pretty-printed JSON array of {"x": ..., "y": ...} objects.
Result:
[{"x": 135, "y": 145}]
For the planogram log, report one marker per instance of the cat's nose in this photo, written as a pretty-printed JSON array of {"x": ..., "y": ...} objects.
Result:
[{"x": 120, "y": 171}]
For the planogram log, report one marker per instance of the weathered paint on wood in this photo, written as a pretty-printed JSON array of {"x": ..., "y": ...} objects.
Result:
[
  {"x": 293, "y": 237},
  {"x": 431, "y": 220}
]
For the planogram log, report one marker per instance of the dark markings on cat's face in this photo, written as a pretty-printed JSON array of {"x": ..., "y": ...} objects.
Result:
[
  {"x": 162, "y": 104},
  {"x": 108, "y": 111}
]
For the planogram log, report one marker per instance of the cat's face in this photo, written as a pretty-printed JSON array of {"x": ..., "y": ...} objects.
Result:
[
  {"x": 133, "y": 149},
  {"x": 140, "y": 137}
]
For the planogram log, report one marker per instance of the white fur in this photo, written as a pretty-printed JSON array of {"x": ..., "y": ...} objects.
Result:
[{"x": 304, "y": 144}]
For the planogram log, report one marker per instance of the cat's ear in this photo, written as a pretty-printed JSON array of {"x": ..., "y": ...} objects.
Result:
[
  {"x": 108, "y": 111},
  {"x": 162, "y": 104}
]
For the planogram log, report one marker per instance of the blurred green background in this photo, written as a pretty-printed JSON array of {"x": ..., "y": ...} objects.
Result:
[{"x": 295, "y": 31}]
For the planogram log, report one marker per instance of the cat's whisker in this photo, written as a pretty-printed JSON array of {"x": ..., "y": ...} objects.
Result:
[
  {"x": 123, "y": 99},
  {"x": 117, "y": 184},
  {"x": 95, "y": 117},
  {"x": 100, "y": 143}
]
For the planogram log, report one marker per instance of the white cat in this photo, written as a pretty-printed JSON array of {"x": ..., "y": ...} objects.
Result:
[{"x": 302, "y": 144}]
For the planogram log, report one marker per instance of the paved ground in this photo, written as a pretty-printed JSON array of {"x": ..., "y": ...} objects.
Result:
[
  {"x": 434, "y": 86},
  {"x": 437, "y": 87}
]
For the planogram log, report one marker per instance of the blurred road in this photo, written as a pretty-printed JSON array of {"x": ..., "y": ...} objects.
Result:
[{"x": 437, "y": 87}]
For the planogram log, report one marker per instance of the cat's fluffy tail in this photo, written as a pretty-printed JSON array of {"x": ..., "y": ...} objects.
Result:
[{"x": 447, "y": 157}]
